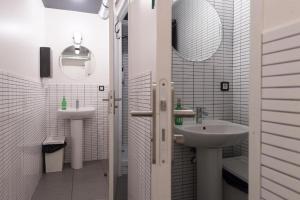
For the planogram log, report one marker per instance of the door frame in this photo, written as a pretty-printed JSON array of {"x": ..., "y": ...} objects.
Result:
[
  {"x": 159, "y": 63},
  {"x": 256, "y": 24},
  {"x": 114, "y": 140},
  {"x": 256, "y": 29},
  {"x": 162, "y": 173},
  {"x": 118, "y": 92},
  {"x": 112, "y": 183}
]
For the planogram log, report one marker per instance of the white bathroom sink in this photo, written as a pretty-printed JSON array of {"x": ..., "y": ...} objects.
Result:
[
  {"x": 77, "y": 117},
  {"x": 209, "y": 138},
  {"x": 73, "y": 113},
  {"x": 212, "y": 134}
]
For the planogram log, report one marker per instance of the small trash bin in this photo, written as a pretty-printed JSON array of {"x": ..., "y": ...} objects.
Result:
[{"x": 53, "y": 153}]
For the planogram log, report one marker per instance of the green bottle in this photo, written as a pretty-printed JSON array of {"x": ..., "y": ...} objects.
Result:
[
  {"x": 178, "y": 120},
  {"x": 64, "y": 103}
]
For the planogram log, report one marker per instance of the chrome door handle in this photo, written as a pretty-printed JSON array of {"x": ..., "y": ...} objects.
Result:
[
  {"x": 116, "y": 99},
  {"x": 141, "y": 113},
  {"x": 184, "y": 113},
  {"x": 114, "y": 106},
  {"x": 176, "y": 113}
]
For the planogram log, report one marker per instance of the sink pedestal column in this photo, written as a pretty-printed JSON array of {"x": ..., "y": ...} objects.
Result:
[
  {"x": 209, "y": 174},
  {"x": 76, "y": 137}
]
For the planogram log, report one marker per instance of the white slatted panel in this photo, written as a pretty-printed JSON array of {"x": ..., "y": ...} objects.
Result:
[
  {"x": 266, "y": 194},
  {"x": 282, "y": 191},
  {"x": 280, "y": 159},
  {"x": 281, "y": 69}
]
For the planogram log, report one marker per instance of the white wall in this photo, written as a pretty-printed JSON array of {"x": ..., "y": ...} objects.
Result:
[
  {"x": 279, "y": 12},
  {"x": 21, "y": 35},
  {"x": 60, "y": 26},
  {"x": 144, "y": 58}
]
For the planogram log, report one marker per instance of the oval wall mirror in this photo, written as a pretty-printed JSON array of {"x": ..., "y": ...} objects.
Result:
[
  {"x": 196, "y": 29},
  {"x": 77, "y": 63}
]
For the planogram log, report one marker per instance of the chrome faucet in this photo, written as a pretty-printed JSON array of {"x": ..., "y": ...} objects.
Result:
[
  {"x": 77, "y": 104},
  {"x": 200, "y": 114}
]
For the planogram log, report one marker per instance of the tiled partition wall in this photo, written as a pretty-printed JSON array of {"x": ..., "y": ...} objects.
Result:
[
  {"x": 95, "y": 144},
  {"x": 241, "y": 65},
  {"x": 125, "y": 85},
  {"x": 280, "y": 136},
  {"x": 124, "y": 166},
  {"x": 139, "y": 138},
  {"x": 198, "y": 85},
  {"x": 22, "y": 130}
]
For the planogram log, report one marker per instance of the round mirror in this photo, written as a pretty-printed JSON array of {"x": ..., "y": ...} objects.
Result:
[
  {"x": 77, "y": 63},
  {"x": 196, "y": 28}
]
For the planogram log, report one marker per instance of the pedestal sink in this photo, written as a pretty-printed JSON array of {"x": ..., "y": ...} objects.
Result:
[
  {"x": 209, "y": 138},
  {"x": 76, "y": 116}
]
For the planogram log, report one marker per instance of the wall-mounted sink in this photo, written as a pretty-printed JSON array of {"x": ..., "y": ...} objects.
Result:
[
  {"x": 212, "y": 134},
  {"x": 76, "y": 116},
  {"x": 209, "y": 138},
  {"x": 73, "y": 113}
]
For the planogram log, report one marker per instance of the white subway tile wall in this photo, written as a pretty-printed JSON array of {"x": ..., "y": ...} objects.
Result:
[
  {"x": 184, "y": 174},
  {"x": 139, "y": 138},
  {"x": 241, "y": 66},
  {"x": 22, "y": 131},
  {"x": 198, "y": 85},
  {"x": 95, "y": 143}
]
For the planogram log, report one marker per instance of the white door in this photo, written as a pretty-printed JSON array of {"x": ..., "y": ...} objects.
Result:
[
  {"x": 149, "y": 134},
  {"x": 113, "y": 114},
  {"x": 150, "y": 128}
]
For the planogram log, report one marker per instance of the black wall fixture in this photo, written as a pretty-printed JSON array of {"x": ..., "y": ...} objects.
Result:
[
  {"x": 101, "y": 87},
  {"x": 153, "y": 4},
  {"x": 174, "y": 34},
  {"x": 225, "y": 86},
  {"x": 45, "y": 62}
]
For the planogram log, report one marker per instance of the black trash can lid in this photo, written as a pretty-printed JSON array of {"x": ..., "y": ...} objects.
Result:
[{"x": 54, "y": 140}]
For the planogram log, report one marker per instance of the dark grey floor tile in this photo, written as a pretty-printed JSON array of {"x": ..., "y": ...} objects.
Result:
[
  {"x": 122, "y": 187},
  {"x": 88, "y": 183},
  {"x": 56, "y": 186},
  {"x": 104, "y": 165}
]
